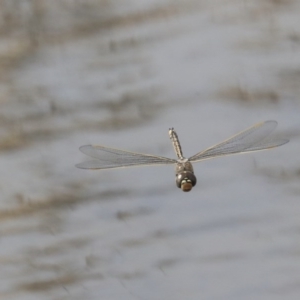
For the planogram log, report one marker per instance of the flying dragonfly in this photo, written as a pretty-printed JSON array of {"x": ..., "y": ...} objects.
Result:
[{"x": 254, "y": 138}]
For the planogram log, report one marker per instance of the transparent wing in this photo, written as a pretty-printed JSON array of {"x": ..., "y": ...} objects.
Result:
[
  {"x": 254, "y": 138},
  {"x": 109, "y": 158}
]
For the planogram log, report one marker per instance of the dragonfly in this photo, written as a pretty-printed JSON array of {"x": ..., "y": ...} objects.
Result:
[{"x": 252, "y": 139}]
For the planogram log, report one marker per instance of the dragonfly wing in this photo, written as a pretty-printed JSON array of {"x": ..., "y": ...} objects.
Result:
[
  {"x": 109, "y": 158},
  {"x": 254, "y": 138}
]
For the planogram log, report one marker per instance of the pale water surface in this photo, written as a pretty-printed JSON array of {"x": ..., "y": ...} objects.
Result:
[{"x": 102, "y": 72}]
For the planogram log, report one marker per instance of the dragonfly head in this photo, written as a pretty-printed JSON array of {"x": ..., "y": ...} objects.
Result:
[{"x": 186, "y": 180}]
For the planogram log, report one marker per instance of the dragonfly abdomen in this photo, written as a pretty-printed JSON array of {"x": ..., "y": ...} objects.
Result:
[{"x": 176, "y": 144}]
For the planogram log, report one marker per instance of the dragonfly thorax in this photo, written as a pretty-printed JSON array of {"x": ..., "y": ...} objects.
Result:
[
  {"x": 185, "y": 178},
  {"x": 183, "y": 165}
]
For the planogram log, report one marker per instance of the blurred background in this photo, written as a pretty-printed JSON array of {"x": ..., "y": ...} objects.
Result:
[{"x": 120, "y": 73}]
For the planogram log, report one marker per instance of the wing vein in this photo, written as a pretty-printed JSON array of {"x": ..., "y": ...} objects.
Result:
[
  {"x": 254, "y": 138},
  {"x": 108, "y": 158}
]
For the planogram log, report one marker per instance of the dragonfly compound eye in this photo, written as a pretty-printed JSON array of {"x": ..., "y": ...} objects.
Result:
[
  {"x": 186, "y": 180},
  {"x": 186, "y": 185}
]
